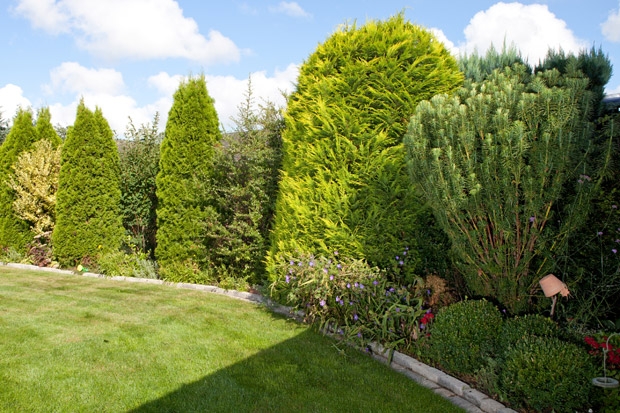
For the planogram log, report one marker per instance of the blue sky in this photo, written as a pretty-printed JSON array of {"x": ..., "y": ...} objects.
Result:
[{"x": 127, "y": 56}]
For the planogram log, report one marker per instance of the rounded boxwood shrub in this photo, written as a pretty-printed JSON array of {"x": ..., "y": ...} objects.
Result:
[
  {"x": 464, "y": 334},
  {"x": 514, "y": 329},
  {"x": 545, "y": 373}
]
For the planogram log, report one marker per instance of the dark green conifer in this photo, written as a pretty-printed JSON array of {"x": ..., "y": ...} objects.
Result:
[
  {"x": 186, "y": 160},
  {"x": 88, "y": 221}
]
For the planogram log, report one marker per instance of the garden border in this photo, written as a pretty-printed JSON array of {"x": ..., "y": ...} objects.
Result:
[{"x": 454, "y": 390}]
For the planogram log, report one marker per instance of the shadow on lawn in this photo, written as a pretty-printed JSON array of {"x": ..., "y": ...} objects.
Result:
[{"x": 306, "y": 374}]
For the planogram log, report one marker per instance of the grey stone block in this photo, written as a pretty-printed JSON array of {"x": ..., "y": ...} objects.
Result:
[
  {"x": 474, "y": 396},
  {"x": 455, "y": 385},
  {"x": 492, "y": 406},
  {"x": 465, "y": 405}
]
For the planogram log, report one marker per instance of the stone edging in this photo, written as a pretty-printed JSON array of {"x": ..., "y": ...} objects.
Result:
[{"x": 456, "y": 391}]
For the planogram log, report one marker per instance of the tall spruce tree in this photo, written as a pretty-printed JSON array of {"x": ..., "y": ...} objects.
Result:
[
  {"x": 14, "y": 232},
  {"x": 88, "y": 220},
  {"x": 186, "y": 162},
  {"x": 344, "y": 186}
]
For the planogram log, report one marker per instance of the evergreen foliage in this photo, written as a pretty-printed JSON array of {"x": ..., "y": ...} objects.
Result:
[
  {"x": 185, "y": 165},
  {"x": 45, "y": 130},
  {"x": 494, "y": 161},
  {"x": 476, "y": 68},
  {"x": 242, "y": 192},
  {"x": 35, "y": 183},
  {"x": 344, "y": 185},
  {"x": 139, "y": 160},
  {"x": 88, "y": 221},
  {"x": 14, "y": 232},
  {"x": 4, "y": 129}
]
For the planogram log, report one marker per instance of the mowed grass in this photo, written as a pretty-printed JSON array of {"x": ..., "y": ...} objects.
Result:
[{"x": 76, "y": 344}]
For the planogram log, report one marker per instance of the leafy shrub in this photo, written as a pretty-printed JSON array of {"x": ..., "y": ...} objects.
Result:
[
  {"x": 514, "y": 329},
  {"x": 134, "y": 264},
  {"x": 545, "y": 373},
  {"x": 352, "y": 299},
  {"x": 464, "y": 334}
]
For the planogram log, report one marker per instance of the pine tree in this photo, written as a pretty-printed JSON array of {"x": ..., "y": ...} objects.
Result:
[
  {"x": 88, "y": 221},
  {"x": 186, "y": 162},
  {"x": 14, "y": 232},
  {"x": 494, "y": 161},
  {"x": 344, "y": 186}
]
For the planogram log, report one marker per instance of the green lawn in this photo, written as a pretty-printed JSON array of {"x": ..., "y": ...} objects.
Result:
[{"x": 70, "y": 343}]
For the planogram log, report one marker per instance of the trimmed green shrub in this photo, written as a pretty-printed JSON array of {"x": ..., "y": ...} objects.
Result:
[
  {"x": 14, "y": 231},
  {"x": 464, "y": 334},
  {"x": 185, "y": 167},
  {"x": 515, "y": 329},
  {"x": 545, "y": 374},
  {"x": 344, "y": 186},
  {"x": 88, "y": 221}
]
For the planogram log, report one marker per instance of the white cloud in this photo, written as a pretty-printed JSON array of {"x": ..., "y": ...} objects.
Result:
[
  {"x": 290, "y": 8},
  {"x": 611, "y": 27},
  {"x": 439, "y": 34},
  {"x": 532, "y": 28},
  {"x": 71, "y": 77},
  {"x": 137, "y": 29},
  {"x": 12, "y": 97},
  {"x": 44, "y": 14},
  {"x": 105, "y": 88}
]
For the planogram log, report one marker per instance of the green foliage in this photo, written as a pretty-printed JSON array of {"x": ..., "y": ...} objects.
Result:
[
  {"x": 35, "y": 182},
  {"x": 186, "y": 163},
  {"x": 545, "y": 373},
  {"x": 477, "y": 68},
  {"x": 127, "y": 264},
  {"x": 465, "y": 334},
  {"x": 4, "y": 129},
  {"x": 139, "y": 163},
  {"x": 242, "y": 193},
  {"x": 494, "y": 162},
  {"x": 88, "y": 220},
  {"x": 514, "y": 329},
  {"x": 344, "y": 185},
  {"x": 351, "y": 299},
  {"x": 14, "y": 231}
]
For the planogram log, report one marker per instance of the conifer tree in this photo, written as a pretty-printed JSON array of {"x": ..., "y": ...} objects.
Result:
[
  {"x": 88, "y": 220},
  {"x": 344, "y": 186},
  {"x": 494, "y": 161},
  {"x": 14, "y": 231},
  {"x": 186, "y": 161}
]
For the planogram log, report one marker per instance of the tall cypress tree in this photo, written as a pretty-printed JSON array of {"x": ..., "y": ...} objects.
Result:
[
  {"x": 186, "y": 160},
  {"x": 344, "y": 186},
  {"x": 13, "y": 230},
  {"x": 88, "y": 220},
  {"x": 45, "y": 129}
]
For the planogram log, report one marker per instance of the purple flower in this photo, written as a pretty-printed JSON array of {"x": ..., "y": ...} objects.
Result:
[
  {"x": 355, "y": 317},
  {"x": 288, "y": 279},
  {"x": 532, "y": 219},
  {"x": 348, "y": 285},
  {"x": 311, "y": 263},
  {"x": 406, "y": 248},
  {"x": 614, "y": 206},
  {"x": 335, "y": 252},
  {"x": 375, "y": 282},
  {"x": 325, "y": 270},
  {"x": 300, "y": 263},
  {"x": 350, "y": 302},
  {"x": 359, "y": 335},
  {"x": 322, "y": 302},
  {"x": 356, "y": 285},
  {"x": 404, "y": 252},
  {"x": 428, "y": 292},
  {"x": 401, "y": 262},
  {"x": 614, "y": 251},
  {"x": 341, "y": 302},
  {"x": 422, "y": 326},
  {"x": 392, "y": 289},
  {"x": 397, "y": 310},
  {"x": 599, "y": 233},
  {"x": 397, "y": 258},
  {"x": 362, "y": 286},
  {"x": 339, "y": 266},
  {"x": 291, "y": 262},
  {"x": 331, "y": 277}
]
